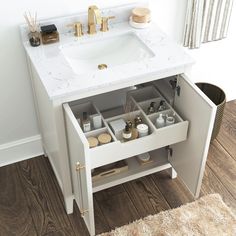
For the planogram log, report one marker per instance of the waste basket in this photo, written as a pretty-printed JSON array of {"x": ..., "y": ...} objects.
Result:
[{"x": 217, "y": 96}]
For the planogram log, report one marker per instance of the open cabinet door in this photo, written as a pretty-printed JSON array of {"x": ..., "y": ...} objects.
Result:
[
  {"x": 80, "y": 168},
  {"x": 189, "y": 157}
]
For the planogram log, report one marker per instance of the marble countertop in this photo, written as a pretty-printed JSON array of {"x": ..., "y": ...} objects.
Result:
[{"x": 61, "y": 82}]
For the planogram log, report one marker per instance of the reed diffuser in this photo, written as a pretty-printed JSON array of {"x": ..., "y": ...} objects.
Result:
[{"x": 34, "y": 35}]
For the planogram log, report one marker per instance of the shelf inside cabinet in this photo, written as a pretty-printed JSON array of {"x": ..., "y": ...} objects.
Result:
[{"x": 135, "y": 170}]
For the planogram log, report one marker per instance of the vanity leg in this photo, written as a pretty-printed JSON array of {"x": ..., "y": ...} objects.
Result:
[
  {"x": 172, "y": 173},
  {"x": 69, "y": 204},
  {"x": 44, "y": 152}
]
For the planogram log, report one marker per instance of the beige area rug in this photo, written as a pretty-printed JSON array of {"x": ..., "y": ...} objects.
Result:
[{"x": 207, "y": 216}]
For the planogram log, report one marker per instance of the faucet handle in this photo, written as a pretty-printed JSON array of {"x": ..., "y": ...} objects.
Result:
[
  {"x": 78, "y": 28},
  {"x": 104, "y": 25}
]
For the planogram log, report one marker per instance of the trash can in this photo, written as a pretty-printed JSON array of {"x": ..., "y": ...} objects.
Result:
[{"x": 217, "y": 96}]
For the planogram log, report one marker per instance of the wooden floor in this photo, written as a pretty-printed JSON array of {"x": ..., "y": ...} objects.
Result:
[{"x": 31, "y": 202}]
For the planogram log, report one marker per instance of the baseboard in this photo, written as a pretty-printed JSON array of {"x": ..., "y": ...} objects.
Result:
[{"x": 20, "y": 150}]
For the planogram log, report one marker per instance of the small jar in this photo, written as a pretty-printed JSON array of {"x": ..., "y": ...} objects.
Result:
[
  {"x": 142, "y": 130},
  {"x": 170, "y": 120},
  {"x": 93, "y": 142},
  {"x": 34, "y": 38},
  {"x": 104, "y": 138}
]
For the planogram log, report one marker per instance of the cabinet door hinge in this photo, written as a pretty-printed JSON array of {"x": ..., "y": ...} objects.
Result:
[
  {"x": 174, "y": 86},
  {"x": 169, "y": 150},
  {"x": 79, "y": 167}
]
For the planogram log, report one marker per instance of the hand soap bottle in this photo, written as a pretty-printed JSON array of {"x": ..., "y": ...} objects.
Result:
[
  {"x": 127, "y": 132},
  {"x": 160, "y": 121}
]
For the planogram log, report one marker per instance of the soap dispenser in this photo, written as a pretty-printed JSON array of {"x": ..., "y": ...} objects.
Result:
[
  {"x": 127, "y": 132},
  {"x": 151, "y": 108},
  {"x": 160, "y": 121}
]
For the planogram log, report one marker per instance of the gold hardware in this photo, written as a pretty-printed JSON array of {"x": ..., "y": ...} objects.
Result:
[
  {"x": 104, "y": 25},
  {"x": 102, "y": 66},
  {"x": 94, "y": 17},
  {"x": 79, "y": 167},
  {"x": 80, "y": 196},
  {"x": 82, "y": 212},
  {"x": 78, "y": 28}
]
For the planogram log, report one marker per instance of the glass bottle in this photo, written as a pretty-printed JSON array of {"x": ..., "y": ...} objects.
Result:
[
  {"x": 151, "y": 108},
  {"x": 34, "y": 38},
  {"x": 86, "y": 123}
]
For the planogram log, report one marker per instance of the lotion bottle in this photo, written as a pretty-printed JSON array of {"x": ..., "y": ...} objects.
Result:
[{"x": 160, "y": 121}]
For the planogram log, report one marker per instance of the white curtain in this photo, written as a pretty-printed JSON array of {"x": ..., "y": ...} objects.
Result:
[{"x": 206, "y": 21}]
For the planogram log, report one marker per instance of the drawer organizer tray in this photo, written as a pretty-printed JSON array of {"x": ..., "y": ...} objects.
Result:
[{"x": 117, "y": 150}]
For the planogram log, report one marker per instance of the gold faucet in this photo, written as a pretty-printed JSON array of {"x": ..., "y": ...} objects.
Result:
[
  {"x": 104, "y": 25},
  {"x": 78, "y": 28},
  {"x": 94, "y": 18}
]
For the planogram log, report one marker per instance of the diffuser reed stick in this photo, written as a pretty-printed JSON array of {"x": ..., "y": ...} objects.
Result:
[
  {"x": 34, "y": 35},
  {"x": 129, "y": 107},
  {"x": 31, "y": 21}
]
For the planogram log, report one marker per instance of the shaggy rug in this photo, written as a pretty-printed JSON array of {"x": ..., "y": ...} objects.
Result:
[{"x": 207, "y": 216}]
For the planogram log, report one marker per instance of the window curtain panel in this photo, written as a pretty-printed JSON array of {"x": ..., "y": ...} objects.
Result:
[{"x": 206, "y": 21}]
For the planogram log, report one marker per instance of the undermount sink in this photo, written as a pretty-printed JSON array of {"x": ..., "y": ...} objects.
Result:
[{"x": 105, "y": 53}]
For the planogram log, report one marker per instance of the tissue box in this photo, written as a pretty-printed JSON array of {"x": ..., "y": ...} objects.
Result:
[{"x": 117, "y": 127}]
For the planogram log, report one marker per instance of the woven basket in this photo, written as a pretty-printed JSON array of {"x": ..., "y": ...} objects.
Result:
[{"x": 217, "y": 96}]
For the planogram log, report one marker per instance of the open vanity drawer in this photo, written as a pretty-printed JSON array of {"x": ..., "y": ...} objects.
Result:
[{"x": 137, "y": 103}]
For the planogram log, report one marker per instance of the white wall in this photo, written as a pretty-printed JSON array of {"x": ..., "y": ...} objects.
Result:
[
  {"x": 19, "y": 137},
  {"x": 18, "y": 126},
  {"x": 215, "y": 61}
]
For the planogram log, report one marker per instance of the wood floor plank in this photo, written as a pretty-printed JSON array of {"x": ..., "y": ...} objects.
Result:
[
  {"x": 15, "y": 217},
  {"x": 227, "y": 136},
  {"x": 223, "y": 166},
  {"x": 75, "y": 219},
  {"x": 211, "y": 184},
  {"x": 146, "y": 197},
  {"x": 230, "y": 109},
  {"x": 46, "y": 207},
  {"x": 173, "y": 190},
  {"x": 116, "y": 206},
  {"x": 101, "y": 224}
]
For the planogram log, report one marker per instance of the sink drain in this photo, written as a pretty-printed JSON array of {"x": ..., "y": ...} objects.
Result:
[{"x": 102, "y": 66}]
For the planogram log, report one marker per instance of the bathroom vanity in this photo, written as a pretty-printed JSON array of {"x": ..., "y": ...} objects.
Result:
[{"x": 66, "y": 82}]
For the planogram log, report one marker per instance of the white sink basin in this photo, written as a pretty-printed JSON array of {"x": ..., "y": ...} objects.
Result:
[{"x": 87, "y": 56}]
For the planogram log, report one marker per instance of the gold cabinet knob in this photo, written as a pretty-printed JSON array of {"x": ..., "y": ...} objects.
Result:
[
  {"x": 104, "y": 25},
  {"x": 78, "y": 27}
]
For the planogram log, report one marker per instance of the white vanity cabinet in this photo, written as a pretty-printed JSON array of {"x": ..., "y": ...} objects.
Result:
[
  {"x": 61, "y": 93},
  {"x": 182, "y": 146}
]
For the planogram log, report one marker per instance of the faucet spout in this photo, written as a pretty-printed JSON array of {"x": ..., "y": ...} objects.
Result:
[{"x": 94, "y": 17}]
